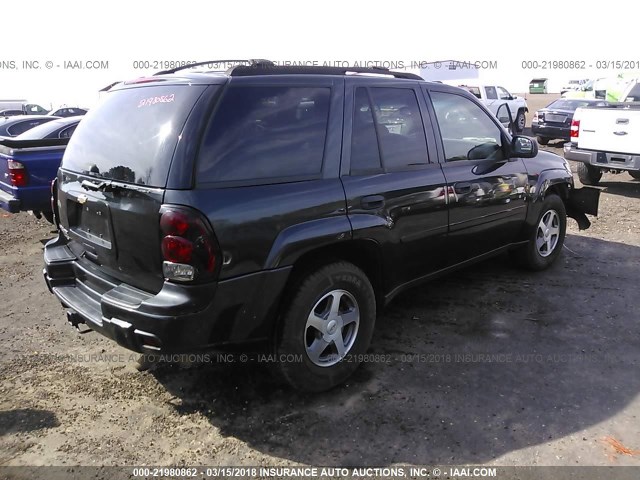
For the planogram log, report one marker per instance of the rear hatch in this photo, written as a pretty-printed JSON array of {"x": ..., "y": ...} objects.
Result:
[
  {"x": 610, "y": 129},
  {"x": 113, "y": 177}
]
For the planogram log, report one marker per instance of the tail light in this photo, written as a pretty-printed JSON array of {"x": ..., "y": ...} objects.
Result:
[
  {"x": 189, "y": 249},
  {"x": 17, "y": 173},
  {"x": 537, "y": 117},
  {"x": 575, "y": 129}
]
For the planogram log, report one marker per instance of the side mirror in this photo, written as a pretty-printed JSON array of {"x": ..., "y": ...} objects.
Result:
[{"x": 523, "y": 147}]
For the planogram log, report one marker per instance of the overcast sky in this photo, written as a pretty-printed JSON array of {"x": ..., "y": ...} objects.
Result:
[{"x": 123, "y": 32}]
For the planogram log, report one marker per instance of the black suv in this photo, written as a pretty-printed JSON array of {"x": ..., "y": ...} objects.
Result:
[{"x": 284, "y": 206}]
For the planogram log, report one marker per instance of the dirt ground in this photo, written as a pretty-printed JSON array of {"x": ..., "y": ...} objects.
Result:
[{"x": 489, "y": 366}]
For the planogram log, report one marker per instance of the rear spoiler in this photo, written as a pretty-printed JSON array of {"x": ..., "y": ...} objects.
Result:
[
  {"x": 47, "y": 142},
  {"x": 8, "y": 144}
]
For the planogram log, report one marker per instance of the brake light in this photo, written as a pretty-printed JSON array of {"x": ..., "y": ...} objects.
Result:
[
  {"x": 575, "y": 129},
  {"x": 535, "y": 117},
  {"x": 188, "y": 245},
  {"x": 17, "y": 173},
  {"x": 177, "y": 249}
]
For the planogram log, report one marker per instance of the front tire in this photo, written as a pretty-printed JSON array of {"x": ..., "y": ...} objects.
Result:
[
  {"x": 547, "y": 238},
  {"x": 588, "y": 174},
  {"x": 326, "y": 327},
  {"x": 543, "y": 140},
  {"x": 635, "y": 175},
  {"x": 521, "y": 121}
]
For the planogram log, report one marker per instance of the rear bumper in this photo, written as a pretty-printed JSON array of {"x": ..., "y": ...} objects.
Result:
[
  {"x": 179, "y": 318},
  {"x": 550, "y": 131},
  {"x": 26, "y": 198},
  {"x": 9, "y": 203},
  {"x": 616, "y": 161}
]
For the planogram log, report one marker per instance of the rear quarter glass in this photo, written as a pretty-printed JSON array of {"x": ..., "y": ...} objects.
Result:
[{"x": 132, "y": 134}]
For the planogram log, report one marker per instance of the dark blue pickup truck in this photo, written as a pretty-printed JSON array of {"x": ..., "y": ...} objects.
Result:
[
  {"x": 27, "y": 168},
  {"x": 29, "y": 163}
]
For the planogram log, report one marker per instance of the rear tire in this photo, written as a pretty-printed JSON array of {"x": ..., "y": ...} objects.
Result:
[
  {"x": 589, "y": 175},
  {"x": 635, "y": 175},
  {"x": 543, "y": 140},
  {"x": 326, "y": 327},
  {"x": 546, "y": 240}
]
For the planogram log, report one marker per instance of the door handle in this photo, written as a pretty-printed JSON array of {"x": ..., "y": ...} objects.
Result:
[{"x": 371, "y": 202}]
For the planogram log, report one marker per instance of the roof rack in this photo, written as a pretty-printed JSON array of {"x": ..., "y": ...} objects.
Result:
[
  {"x": 249, "y": 62},
  {"x": 269, "y": 68}
]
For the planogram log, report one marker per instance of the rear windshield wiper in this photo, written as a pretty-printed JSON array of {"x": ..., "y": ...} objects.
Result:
[
  {"x": 110, "y": 186},
  {"x": 106, "y": 186},
  {"x": 95, "y": 187}
]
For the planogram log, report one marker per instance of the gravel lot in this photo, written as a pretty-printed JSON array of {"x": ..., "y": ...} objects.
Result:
[{"x": 509, "y": 368}]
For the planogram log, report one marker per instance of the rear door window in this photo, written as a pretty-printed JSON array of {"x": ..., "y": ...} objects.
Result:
[
  {"x": 132, "y": 134},
  {"x": 365, "y": 154},
  {"x": 387, "y": 131},
  {"x": 266, "y": 133},
  {"x": 400, "y": 129}
]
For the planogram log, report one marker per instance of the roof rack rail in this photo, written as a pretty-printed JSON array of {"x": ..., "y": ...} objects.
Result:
[
  {"x": 269, "y": 68},
  {"x": 109, "y": 87},
  {"x": 249, "y": 62}
]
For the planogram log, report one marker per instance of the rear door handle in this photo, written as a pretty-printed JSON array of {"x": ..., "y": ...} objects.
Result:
[{"x": 371, "y": 202}]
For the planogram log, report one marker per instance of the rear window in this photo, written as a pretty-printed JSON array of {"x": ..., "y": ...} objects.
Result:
[
  {"x": 266, "y": 133},
  {"x": 43, "y": 131},
  {"x": 25, "y": 125},
  {"x": 570, "y": 104},
  {"x": 132, "y": 134}
]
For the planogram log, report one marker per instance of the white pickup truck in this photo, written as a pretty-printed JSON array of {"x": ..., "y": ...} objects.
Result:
[
  {"x": 607, "y": 138},
  {"x": 493, "y": 96}
]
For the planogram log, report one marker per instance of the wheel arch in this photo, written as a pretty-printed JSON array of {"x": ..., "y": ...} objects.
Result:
[
  {"x": 363, "y": 253},
  {"x": 576, "y": 202}
]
